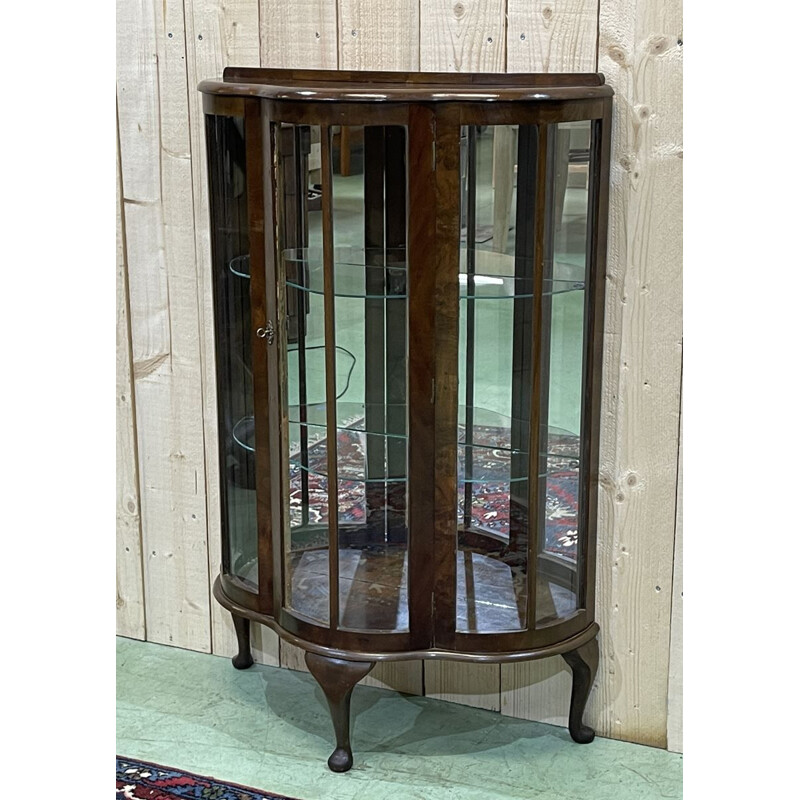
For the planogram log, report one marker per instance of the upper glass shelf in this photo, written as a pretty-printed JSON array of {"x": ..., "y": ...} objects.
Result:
[{"x": 381, "y": 274}]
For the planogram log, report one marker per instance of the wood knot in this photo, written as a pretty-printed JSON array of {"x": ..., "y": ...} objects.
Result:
[
  {"x": 616, "y": 53},
  {"x": 643, "y": 112},
  {"x": 547, "y": 12},
  {"x": 658, "y": 44},
  {"x": 625, "y": 163},
  {"x": 459, "y": 10}
]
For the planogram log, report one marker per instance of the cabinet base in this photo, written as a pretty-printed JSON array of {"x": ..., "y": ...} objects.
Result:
[{"x": 337, "y": 672}]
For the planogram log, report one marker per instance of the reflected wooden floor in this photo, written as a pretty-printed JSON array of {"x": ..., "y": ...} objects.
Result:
[{"x": 373, "y": 591}]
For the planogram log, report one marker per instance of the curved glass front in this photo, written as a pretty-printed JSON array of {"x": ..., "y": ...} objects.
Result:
[
  {"x": 500, "y": 477},
  {"x": 346, "y": 368},
  {"x": 231, "y": 281}
]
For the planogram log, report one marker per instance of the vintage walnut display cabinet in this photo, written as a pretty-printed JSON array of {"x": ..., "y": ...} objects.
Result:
[{"x": 408, "y": 302}]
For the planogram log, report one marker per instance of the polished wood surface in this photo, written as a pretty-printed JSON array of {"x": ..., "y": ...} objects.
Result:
[
  {"x": 244, "y": 658},
  {"x": 379, "y": 87},
  {"x": 431, "y": 588},
  {"x": 337, "y": 678},
  {"x": 583, "y": 663},
  {"x": 433, "y": 150},
  {"x": 366, "y": 649},
  {"x": 254, "y": 160}
]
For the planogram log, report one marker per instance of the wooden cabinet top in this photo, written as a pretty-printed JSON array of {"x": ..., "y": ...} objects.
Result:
[{"x": 405, "y": 87}]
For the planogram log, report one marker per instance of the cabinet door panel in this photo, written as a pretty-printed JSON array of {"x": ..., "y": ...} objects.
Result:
[{"x": 345, "y": 470}]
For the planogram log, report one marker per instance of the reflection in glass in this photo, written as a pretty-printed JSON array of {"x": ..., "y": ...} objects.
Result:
[
  {"x": 369, "y": 346},
  {"x": 563, "y": 315},
  {"x": 307, "y": 575},
  {"x": 495, "y": 335},
  {"x": 231, "y": 280}
]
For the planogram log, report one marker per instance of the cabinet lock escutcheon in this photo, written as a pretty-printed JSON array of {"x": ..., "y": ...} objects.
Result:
[{"x": 267, "y": 332}]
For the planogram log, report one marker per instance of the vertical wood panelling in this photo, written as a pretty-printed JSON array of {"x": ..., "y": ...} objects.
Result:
[
  {"x": 401, "y": 676},
  {"x": 130, "y": 586},
  {"x": 293, "y": 657},
  {"x": 463, "y": 36},
  {"x": 167, "y": 425},
  {"x": 675, "y": 696},
  {"x": 379, "y": 35},
  {"x": 300, "y": 34},
  {"x": 641, "y": 58},
  {"x": 217, "y": 35},
  {"x": 475, "y": 685},
  {"x": 544, "y": 36},
  {"x": 159, "y": 225},
  {"x": 549, "y": 36}
]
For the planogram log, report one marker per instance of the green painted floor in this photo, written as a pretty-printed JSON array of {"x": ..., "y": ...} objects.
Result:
[{"x": 269, "y": 728}]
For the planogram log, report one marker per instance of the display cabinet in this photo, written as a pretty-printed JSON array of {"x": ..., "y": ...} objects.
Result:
[{"x": 408, "y": 278}]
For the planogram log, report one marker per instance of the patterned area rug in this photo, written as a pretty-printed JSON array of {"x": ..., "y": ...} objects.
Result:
[
  {"x": 137, "y": 780},
  {"x": 491, "y": 506}
]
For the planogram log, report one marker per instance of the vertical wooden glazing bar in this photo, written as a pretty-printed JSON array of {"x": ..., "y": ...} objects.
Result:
[
  {"x": 537, "y": 488},
  {"x": 254, "y": 144},
  {"x": 216, "y": 177},
  {"x": 421, "y": 359},
  {"x": 330, "y": 372},
  {"x": 374, "y": 332},
  {"x": 396, "y": 327},
  {"x": 586, "y": 367},
  {"x": 521, "y": 517},
  {"x": 592, "y": 387},
  {"x": 284, "y": 334},
  {"x": 300, "y": 236},
  {"x": 472, "y": 135},
  {"x": 275, "y": 298},
  {"x": 448, "y": 234}
]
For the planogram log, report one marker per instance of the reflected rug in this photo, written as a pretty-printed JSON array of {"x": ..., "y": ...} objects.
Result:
[
  {"x": 491, "y": 504},
  {"x": 137, "y": 780}
]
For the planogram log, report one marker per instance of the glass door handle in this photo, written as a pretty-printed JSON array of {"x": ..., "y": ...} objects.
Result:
[{"x": 267, "y": 332}]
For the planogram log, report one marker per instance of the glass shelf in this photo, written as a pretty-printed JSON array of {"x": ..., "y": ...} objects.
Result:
[
  {"x": 491, "y": 463},
  {"x": 240, "y": 266},
  {"x": 350, "y": 416},
  {"x": 561, "y": 444},
  {"x": 244, "y": 433},
  {"x": 352, "y": 275}
]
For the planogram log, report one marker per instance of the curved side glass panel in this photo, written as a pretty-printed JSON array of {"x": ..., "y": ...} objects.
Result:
[
  {"x": 231, "y": 282},
  {"x": 560, "y": 528}
]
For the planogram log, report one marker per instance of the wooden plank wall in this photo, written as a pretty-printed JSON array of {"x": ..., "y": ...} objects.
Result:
[{"x": 168, "y": 537}]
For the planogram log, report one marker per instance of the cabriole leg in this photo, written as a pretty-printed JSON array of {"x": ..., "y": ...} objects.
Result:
[
  {"x": 583, "y": 663},
  {"x": 244, "y": 658},
  {"x": 337, "y": 678}
]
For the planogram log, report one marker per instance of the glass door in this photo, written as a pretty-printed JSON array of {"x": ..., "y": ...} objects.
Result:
[{"x": 342, "y": 269}]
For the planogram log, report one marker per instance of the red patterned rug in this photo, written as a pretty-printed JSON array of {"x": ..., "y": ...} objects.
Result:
[
  {"x": 137, "y": 780},
  {"x": 491, "y": 505}
]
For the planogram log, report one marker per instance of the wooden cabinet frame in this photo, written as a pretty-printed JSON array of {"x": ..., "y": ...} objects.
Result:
[{"x": 432, "y": 108}]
